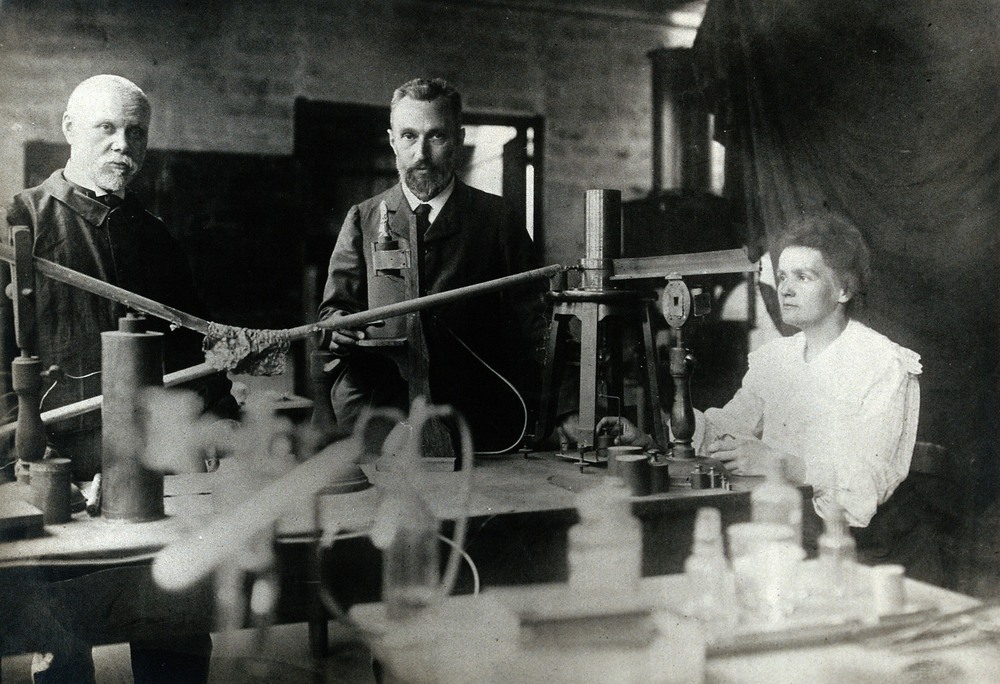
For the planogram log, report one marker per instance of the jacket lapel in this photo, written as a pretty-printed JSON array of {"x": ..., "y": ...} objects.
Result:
[
  {"x": 89, "y": 208},
  {"x": 449, "y": 221},
  {"x": 399, "y": 213}
]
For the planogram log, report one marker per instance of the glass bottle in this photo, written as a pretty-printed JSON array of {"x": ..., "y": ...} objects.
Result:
[
  {"x": 777, "y": 501},
  {"x": 711, "y": 585},
  {"x": 838, "y": 557},
  {"x": 605, "y": 547},
  {"x": 411, "y": 561}
]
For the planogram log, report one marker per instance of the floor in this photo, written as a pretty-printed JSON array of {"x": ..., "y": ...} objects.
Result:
[{"x": 284, "y": 659}]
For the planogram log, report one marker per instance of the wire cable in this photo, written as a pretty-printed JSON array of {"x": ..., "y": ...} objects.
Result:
[
  {"x": 468, "y": 560},
  {"x": 56, "y": 382},
  {"x": 524, "y": 405},
  {"x": 326, "y": 597}
]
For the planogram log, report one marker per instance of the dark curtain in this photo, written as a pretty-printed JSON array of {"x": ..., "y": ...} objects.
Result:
[{"x": 887, "y": 112}]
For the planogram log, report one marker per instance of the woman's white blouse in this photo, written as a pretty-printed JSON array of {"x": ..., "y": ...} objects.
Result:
[{"x": 850, "y": 413}]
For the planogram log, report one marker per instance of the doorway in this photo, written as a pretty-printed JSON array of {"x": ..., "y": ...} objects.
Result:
[{"x": 343, "y": 155}]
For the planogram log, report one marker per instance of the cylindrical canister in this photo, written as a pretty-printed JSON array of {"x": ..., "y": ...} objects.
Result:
[
  {"x": 633, "y": 469},
  {"x": 601, "y": 444},
  {"x": 888, "y": 588},
  {"x": 659, "y": 477},
  {"x": 50, "y": 489},
  {"x": 130, "y": 362},
  {"x": 616, "y": 451},
  {"x": 603, "y": 236}
]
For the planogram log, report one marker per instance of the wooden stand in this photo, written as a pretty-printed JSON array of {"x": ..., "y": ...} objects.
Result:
[{"x": 604, "y": 318}]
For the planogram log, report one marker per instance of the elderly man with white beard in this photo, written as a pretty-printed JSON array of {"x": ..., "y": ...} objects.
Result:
[{"x": 82, "y": 217}]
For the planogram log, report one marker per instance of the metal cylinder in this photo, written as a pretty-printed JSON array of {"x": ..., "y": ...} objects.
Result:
[
  {"x": 659, "y": 477},
  {"x": 130, "y": 362},
  {"x": 681, "y": 136},
  {"x": 50, "y": 489},
  {"x": 616, "y": 452},
  {"x": 603, "y": 237},
  {"x": 634, "y": 471}
]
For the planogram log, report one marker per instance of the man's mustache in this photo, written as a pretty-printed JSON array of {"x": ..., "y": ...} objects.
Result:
[{"x": 127, "y": 161}]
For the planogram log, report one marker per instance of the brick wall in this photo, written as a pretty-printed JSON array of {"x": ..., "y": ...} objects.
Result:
[{"x": 223, "y": 76}]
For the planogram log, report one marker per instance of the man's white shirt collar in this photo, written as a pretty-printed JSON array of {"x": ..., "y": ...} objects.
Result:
[{"x": 437, "y": 202}]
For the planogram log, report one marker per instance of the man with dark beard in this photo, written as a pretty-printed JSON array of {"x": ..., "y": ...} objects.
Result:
[
  {"x": 466, "y": 236},
  {"x": 83, "y": 218}
]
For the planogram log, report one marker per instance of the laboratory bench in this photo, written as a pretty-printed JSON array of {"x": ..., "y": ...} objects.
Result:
[
  {"x": 519, "y": 512},
  {"x": 498, "y": 636}
]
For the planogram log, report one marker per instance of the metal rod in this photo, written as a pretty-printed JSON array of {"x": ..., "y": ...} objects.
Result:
[
  {"x": 603, "y": 210},
  {"x": 108, "y": 291},
  {"x": 420, "y": 303},
  {"x": 696, "y": 263},
  {"x": 79, "y": 408},
  {"x": 177, "y": 317},
  {"x": 603, "y": 237}
]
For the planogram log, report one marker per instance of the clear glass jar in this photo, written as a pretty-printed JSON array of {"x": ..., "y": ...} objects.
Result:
[
  {"x": 605, "y": 547},
  {"x": 411, "y": 565},
  {"x": 711, "y": 586},
  {"x": 776, "y": 501}
]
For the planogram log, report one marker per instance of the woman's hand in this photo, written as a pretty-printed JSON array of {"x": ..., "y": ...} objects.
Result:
[
  {"x": 623, "y": 430},
  {"x": 751, "y": 457},
  {"x": 742, "y": 455}
]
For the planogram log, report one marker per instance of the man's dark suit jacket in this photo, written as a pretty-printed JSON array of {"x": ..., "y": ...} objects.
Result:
[{"x": 476, "y": 237}]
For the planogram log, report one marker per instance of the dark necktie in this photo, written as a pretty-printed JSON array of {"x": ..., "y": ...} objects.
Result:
[{"x": 423, "y": 214}]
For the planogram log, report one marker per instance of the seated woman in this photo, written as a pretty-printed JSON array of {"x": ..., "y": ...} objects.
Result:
[{"x": 837, "y": 402}]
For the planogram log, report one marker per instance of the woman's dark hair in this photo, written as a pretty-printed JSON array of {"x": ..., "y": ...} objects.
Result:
[{"x": 839, "y": 241}]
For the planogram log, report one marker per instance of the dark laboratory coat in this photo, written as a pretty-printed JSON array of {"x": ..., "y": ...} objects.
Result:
[{"x": 127, "y": 247}]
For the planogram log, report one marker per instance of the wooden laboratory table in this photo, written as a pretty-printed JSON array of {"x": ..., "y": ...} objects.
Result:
[
  {"x": 476, "y": 638},
  {"x": 509, "y": 486},
  {"x": 519, "y": 511}
]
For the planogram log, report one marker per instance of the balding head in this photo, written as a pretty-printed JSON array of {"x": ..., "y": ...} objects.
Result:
[
  {"x": 106, "y": 124},
  {"x": 98, "y": 88}
]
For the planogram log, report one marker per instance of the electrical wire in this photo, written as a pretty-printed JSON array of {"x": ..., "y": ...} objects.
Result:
[
  {"x": 468, "y": 560},
  {"x": 56, "y": 382},
  {"x": 329, "y": 601},
  {"x": 41, "y": 402},
  {"x": 326, "y": 597},
  {"x": 524, "y": 405}
]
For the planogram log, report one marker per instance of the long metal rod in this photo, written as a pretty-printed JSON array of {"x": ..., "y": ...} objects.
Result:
[
  {"x": 177, "y": 317},
  {"x": 420, "y": 303},
  {"x": 80, "y": 408},
  {"x": 58, "y": 272},
  {"x": 696, "y": 263}
]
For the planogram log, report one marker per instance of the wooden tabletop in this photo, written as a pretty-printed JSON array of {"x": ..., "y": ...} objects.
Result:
[{"x": 509, "y": 484}]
